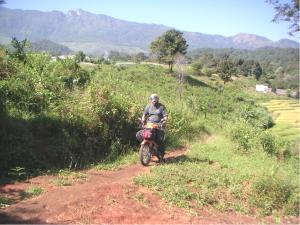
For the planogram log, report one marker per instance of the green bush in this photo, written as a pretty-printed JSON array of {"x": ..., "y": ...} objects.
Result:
[
  {"x": 292, "y": 205},
  {"x": 70, "y": 73},
  {"x": 21, "y": 94},
  {"x": 256, "y": 116},
  {"x": 196, "y": 68},
  {"x": 249, "y": 137},
  {"x": 207, "y": 71},
  {"x": 7, "y": 65},
  {"x": 32, "y": 191},
  {"x": 244, "y": 135},
  {"x": 269, "y": 143},
  {"x": 31, "y": 88},
  {"x": 270, "y": 193}
]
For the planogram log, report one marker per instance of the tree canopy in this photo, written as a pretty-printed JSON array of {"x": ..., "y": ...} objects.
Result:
[
  {"x": 167, "y": 45},
  {"x": 19, "y": 48},
  {"x": 80, "y": 56},
  {"x": 226, "y": 69},
  {"x": 287, "y": 11}
]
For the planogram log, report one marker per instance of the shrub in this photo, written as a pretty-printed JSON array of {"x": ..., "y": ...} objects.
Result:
[
  {"x": 33, "y": 191},
  {"x": 207, "y": 71},
  {"x": 31, "y": 88},
  {"x": 196, "y": 68},
  {"x": 256, "y": 116},
  {"x": 271, "y": 192},
  {"x": 292, "y": 205},
  {"x": 7, "y": 65},
  {"x": 70, "y": 73},
  {"x": 268, "y": 142},
  {"x": 244, "y": 134}
]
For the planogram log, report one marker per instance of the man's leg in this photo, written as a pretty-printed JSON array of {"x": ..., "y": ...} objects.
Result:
[{"x": 161, "y": 137}]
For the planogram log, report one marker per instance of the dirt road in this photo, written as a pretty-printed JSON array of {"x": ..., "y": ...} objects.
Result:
[{"x": 104, "y": 197}]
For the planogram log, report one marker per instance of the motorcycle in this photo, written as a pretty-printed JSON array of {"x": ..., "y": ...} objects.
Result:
[{"x": 149, "y": 145}]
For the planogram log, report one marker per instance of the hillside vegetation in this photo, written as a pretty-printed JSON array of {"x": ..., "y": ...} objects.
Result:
[
  {"x": 58, "y": 115},
  {"x": 279, "y": 67},
  {"x": 51, "y": 47}
]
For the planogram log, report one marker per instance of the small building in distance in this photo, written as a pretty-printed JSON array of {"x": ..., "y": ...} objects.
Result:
[
  {"x": 54, "y": 58},
  {"x": 281, "y": 92},
  {"x": 262, "y": 88}
]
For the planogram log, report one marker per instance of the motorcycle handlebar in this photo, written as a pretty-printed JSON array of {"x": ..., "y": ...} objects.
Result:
[{"x": 161, "y": 123}]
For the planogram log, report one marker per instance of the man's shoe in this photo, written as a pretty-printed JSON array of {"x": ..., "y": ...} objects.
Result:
[{"x": 161, "y": 158}]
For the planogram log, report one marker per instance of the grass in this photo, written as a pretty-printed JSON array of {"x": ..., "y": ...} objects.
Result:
[
  {"x": 286, "y": 114},
  {"x": 67, "y": 177},
  {"x": 140, "y": 197},
  {"x": 121, "y": 161},
  {"x": 214, "y": 174},
  {"x": 62, "y": 181},
  {"x": 33, "y": 191},
  {"x": 286, "y": 131},
  {"x": 5, "y": 201},
  {"x": 284, "y": 109}
]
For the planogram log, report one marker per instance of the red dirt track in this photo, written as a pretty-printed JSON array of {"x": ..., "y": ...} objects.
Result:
[{"x": 105, "y": 197}]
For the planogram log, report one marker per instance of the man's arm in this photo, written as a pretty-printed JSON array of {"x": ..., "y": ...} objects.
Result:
[
  {"x": 165, "y": 119},
  {"x": 145, "y": 114},
  {"x": 165, "y": 115},
  {"x": 144, "y": 118}
]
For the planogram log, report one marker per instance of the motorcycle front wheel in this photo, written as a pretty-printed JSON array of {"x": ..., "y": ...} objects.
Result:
[{"x": 145, "y": 154}]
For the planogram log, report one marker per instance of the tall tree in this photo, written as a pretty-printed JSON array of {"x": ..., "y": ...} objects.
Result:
[
  {"x": 139, "y": 57},
  {"x": 80, "y": 56},
  {"x": 246, "y": 68},
  {"x": 226, "y": 69},
  {"x": 257, "y": 70},
  {"x": 287, "y": 11},
  {"x": 19, "y": 49},
  {"x": 167, "y": 45}
]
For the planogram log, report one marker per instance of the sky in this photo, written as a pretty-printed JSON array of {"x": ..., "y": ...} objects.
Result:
[{"x": 223, "y": 17}]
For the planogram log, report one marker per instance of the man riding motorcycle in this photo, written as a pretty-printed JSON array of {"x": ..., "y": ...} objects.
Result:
[{"x": 155, "y": 112}]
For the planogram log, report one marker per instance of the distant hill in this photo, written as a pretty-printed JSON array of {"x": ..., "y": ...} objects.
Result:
[
  {"x": 50, "y": 46},
  {"x": 96, "y": 34}
]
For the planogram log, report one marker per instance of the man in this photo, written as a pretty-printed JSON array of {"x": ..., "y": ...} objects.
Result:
[{"x": 155, "y": 112}]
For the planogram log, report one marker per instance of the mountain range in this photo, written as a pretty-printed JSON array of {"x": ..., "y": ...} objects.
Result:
[{"x": 97, "y": 33}]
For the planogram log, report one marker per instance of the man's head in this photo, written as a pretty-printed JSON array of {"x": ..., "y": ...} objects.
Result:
[{"x": 154, "y": 99}]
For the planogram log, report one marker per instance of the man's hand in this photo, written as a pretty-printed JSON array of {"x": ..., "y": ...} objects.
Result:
[
  {"x": 144, "y": 119},
  {"x": 164, "y": 121}
]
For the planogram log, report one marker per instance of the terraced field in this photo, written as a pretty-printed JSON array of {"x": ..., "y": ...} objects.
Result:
[{"x": 286, "y": 114}]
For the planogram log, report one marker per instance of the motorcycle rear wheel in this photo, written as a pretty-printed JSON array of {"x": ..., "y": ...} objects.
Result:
[{"x": 145, "y": 154}]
